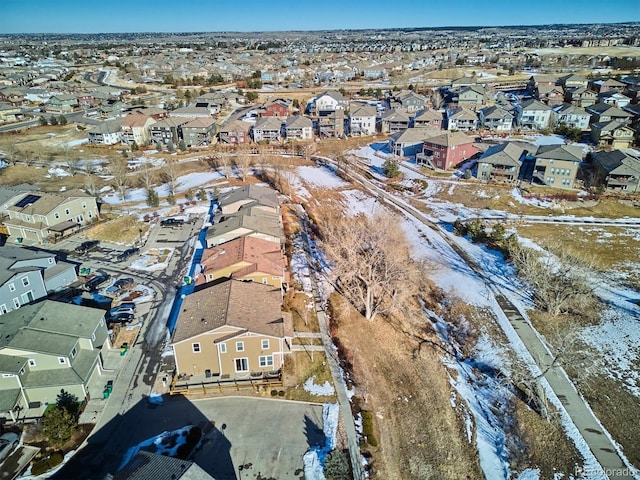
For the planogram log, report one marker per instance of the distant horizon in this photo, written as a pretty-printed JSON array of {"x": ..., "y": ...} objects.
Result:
[{"x": 74, "y": 17}]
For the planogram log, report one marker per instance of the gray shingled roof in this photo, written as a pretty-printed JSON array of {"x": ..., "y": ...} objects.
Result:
[
  {"x": 503, "y": 154},
  {"x": 560, "y": 152},
  {"x": 150, "y": 466},
  {"x": 263, "y": 195}
]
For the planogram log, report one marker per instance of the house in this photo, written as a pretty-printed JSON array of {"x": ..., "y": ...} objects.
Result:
[
  {"x": 533, "y": 115},
  {"x": 235, "y": 132},
  {"x": 168, "y": 130},
  {"x": 461, "y": 119},
  {"x": 62, "y": 104},
  {"x": 28, "y": 275},
  {"x": 199, "y": 132},
  {"x": 501, "y": 163},
  {"x": 135, "y": 128},
  {"x": 275, "y": 108},
  {"x": 412, "y": 102},
  {"x": 328, "y": 102},
  {"x": 472, "y": 97},
  {"x": 394, "y": 121},
  {"x": 612, "y": 134},
  {"x": 105, "y": 133},
  {"x": 249, "y": 195},
  {"x": 550, "y": 95},
  {"x": 267, "y": 128},
  {"x": 156, "y": 113},
  {"x": 248, "y": 222},
  {"x": 572, "y": 116},
  {"x": 42, "y": 217},
  {"x": 47, "y": 347},
  {"x": 603, "y": 112},
  {"x": 247, "y": 259},
  {"x": 536, "y": 81},
  {"x": 617, "y": 170},
  {"x": 232, "y": 330},
  {"x": 581, "y": 97},
  {"x": 146, "y": 465},
  {"x": 10, "y": 113},
  {"x": 605, "y": 85},
  {"x": 428, "y": 118},
  {"x": 331, "y": 124},
  {"x": 614, "y": 98},
  {"x": 447, "y": 150},
  {"x": 572, "y": 81},
  {"x": 495, "y": 118},
  {"x": 410, "y": 142},
  {"x": 298, "y": 127},
  {"x": 362, "y": 119},
  {"x": 557, "y": 165}
]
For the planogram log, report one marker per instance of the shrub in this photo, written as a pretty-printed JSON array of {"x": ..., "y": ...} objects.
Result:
[
  {"x": 46, "y": 464},
  {"x": 390, "y": 168},
  {"x": 281, "y": 393},
  {"x": 274, "y": 393},
  {"x": 337, "y": 466},
  {"x": 367, "y": 428}
]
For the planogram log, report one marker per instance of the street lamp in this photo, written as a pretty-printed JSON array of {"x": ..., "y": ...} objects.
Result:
[
  {"x": 140, "y": 232},
  {"x": 240, "y": 468}
]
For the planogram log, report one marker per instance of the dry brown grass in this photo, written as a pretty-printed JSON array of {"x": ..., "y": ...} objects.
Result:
[
  {"x": 420, "y": 435},
  {"x": 612, "y": 249},
  {"x": 121, "y": 230},
  {"x": 304, "y": 319},
  {"x": 300, "y": 366}
]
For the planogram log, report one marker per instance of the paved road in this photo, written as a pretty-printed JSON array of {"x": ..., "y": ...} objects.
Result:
[{"x": 595, "y": 436}]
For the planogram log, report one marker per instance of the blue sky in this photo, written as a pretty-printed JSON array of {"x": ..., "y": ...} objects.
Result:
[{"x": 98, "y": 16}]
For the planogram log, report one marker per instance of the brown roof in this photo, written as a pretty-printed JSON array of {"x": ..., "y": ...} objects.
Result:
[
  {"x": 264, "y": 256},
  {"x": 135, "y": 119},
  {"x": 246, "y": 305},
  {"x": 199, "y": 122},
  {"x": 450, "y": 139}
]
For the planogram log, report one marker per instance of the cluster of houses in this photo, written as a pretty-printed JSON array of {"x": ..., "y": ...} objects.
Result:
[{"x": 232, "y": 327}]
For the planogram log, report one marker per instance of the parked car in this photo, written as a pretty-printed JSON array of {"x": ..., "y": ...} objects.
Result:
[
  {"x": 126, "y": 307},
  {"x": 8, "y": 442},
  {"x": 129, "y": 252},
  {"x": 94, "y": 282},
  {"x": 88, "y": 246},
  {"x": 169, "y": 222},
  {"x": 120, "y": 284},
  {"x": 122, "y": 317}
]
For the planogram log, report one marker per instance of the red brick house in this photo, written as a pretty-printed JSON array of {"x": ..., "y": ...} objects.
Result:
[
  {"x": 447, "y": 150},
  {"x": 277, "y": 108},
  {"x": 235, "y": 132}
]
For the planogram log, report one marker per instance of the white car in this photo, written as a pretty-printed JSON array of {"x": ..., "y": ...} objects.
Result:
[{"x": 8, "y": 442}]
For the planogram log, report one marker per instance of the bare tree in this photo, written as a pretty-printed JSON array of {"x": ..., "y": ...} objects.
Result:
[
  {"x": 371, "y": 264},
  {"x": 73, "y": 162},
  {"x": 91, "y": 185},
  {"x": 243, "y": 164},
  {"x": 224, "y": 165},
  {"x": 170, "y": 174},
  {"x": 436, "y": 99},
  {"x": 121, "y": 180},
  {"x": 559, "y": 281}
]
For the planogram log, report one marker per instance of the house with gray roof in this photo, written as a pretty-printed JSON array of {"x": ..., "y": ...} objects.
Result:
[
  {"x": 248, "y": 195},
  {"x": 428, "y": 118},
  {"x": 298, "y": 127},
  {"x": 461, "y": 119},
  {"x": 532, "y": 114},
  {"x": 394, "y": 121},
  {"x": 496, "y": 119},
  {"x": 362, "y": 119},
  {"x": 410, "y": 141},
  {"x": 47, "y": 347},
  {"x": 105, "y": 133},
  {"x": 557, "y": 165},
  {"x": 168, "y": 130},
  {"x": 571, "y": 116},
  {"x": 501, "y": 163},
  {"x": 151, "y": 466},
  {"x": 603, "y": 112},
  {"x": 252, "y": 222},
  {"x": 199, "y": 131},
  {"x": 617, "y": 170},
  {"x": 267, "y": 128}
]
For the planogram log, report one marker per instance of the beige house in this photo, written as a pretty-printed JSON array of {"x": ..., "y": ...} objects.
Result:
[
  {"x": 557, "y": 165},
  {"x": 47, "y": 347},
  {"x": 136, "y": 127},
  {"x": 612, "y": 134},
  {"x": 41, "y": 217},
  {"x": 232, "y": 201},
  {"x": 247, "y": 259},
  {"x": 251, "y": 221},
  {"x": 232, "y": 330}
]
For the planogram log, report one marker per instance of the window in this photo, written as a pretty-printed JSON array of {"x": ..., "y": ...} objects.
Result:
[
  {"x": 56, "y": 216},
  {"x": 223, "y": 348},
  {"x": 32, "y": 362},
  {"x": 242, "y": 364},
  {"x": 84, "y": 205},
  {"x": 264, "y": 280},
  {"x": 265, "y": 344},
  {"x": 16, "y": 303},
  {"x": 50, "y": 260},
  {"x": 12, "y": 287},
  {"x": 62, "y": 360},
  {"x": 266, "y": 360},
  {"x": 3, "y": 308},
  {"x": 67, "y": 211},
  {"x": 25, "y": 281},
  {"x": 195, "y": 347},
  {"x": 239, "y": 346},
  {"x": 73, "y": 352},
  {"x": 90, "y": 214},
  {"x": 22, "y": 371}
]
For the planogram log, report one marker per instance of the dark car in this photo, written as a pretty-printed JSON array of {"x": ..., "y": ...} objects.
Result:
[
  {"x": 120, "y": 285},
  {"x": 94, "y": 282},
  {"x": 88, "y": 246},
  {"x": 129, "y": 252},
  {"x": 169, "y": 222},
  {"x": 122, "y": 317}
]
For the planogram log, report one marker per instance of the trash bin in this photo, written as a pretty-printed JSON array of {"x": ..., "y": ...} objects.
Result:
[
  {"x": 106, "y": 393},
  {"x": 109, "y": 386},
  {"x": 123, "y": 349}
]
